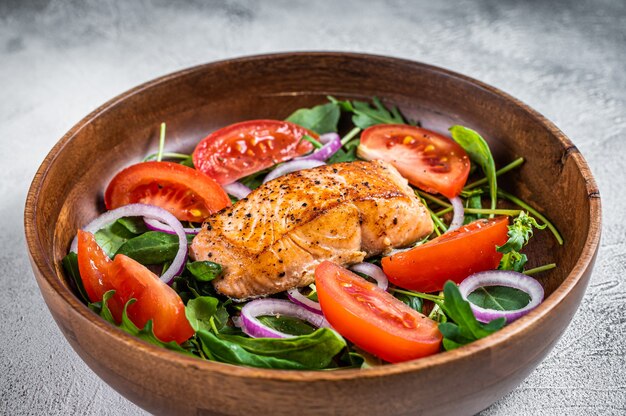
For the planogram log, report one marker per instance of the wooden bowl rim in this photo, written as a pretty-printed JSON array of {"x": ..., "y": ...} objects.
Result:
[{"x": 518, "y": 327}]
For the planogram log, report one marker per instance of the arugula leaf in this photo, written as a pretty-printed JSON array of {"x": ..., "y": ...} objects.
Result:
[
  {"x": 204, "y": 271},
  {"x": 287, "y": 324},
  {"x": 112, "y": 237},
  {"x": 126, "y": 325},
  {"x": 346, "y": 154},
  {"x": 152, "y": 247},
  {"x": 465, "y": 328},
  {"x": 321, "y": 118},
  {"x": 306, "y": 352},
  {"x": 520, "y": 232},
  {"x": 412, "y": 302},
  {"x": 500, "y": 298},
  {"x": 366, "y": 115},
  {"x": 513, "y": 261},
  {"x": 478, "y": 151},
  {"x": 70, "y": 264},
  {"x": 474, "y": 201}
]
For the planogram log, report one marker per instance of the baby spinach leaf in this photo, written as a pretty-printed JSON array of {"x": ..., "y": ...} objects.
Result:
[
  {"x": 134, "y": 224},
  {"x": 126, "y": 325},
  {"x": 152, "y": 247},
  {"x": 200, "y": 311},
  {"x": 112, "y": 237},
  {"x": 70, "y": 264},
  {"x": 346, "y": 154},
  {"x": 500, "y": 298},
  {"x": 366, "y": 115},
  {"x": 306, "y": 352},
  {"x": 478, "y": 151},
  {"x": 287, "y": 324},
  {"x": 465, "y": 328},
  {"x": 412, "y": 302},
  {"x": 255, "y": 179},
  {"x": 204, "y": 271},
  {"x": 321, "y": 118}
]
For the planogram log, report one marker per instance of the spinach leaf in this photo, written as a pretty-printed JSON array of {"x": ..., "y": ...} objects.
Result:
[
  {"x": 366, "y": 115},
  {"x": 478, "y": 151},
  {"x": 255, "y": 179},
  {"x": 152, "y": 247},
  {"x": 321, "y": 118},
  {"x": 412, "y": 302},
  {"x": 346, "y": 154},
  {"x": 306, "y": 352},
  {"x": 500, "y": 298},
  {"x": 204, "y": 271},
  {"x": 188, "y": 161},
  {"x": 465, "y": 328},
  {"x": 112, "y": 237},
  {"x": 134, "y": 224},
  {"x": 287, "y": 324},
  {"x": 70, "y": 264},
  {"x": 126, "y": 325},
  {"x": 200, "y": 311}
]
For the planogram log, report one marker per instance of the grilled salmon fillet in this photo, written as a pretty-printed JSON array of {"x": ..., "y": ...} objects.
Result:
[{"x": 274, "y": 239}]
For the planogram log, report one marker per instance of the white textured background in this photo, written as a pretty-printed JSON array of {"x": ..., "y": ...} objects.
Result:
[{"x": 59, "y": 60}]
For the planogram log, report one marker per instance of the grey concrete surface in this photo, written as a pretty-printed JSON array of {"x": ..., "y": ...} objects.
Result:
[{"x": 59, "y": 60}]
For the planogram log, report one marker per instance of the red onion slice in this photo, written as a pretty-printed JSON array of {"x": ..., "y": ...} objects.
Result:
[
  {"x": 149, "y": 212},
  {"x": 260, "y": 307},
  {"x": 332, "y": 143},
  {"x": 502, "y": 278},
  {"x": 298, "y": 298},
  {"x": 292, "y": 166},
  {"x": 372, "y": 271},
  {"x": 155, "y": 225},
  {"x": 459, "y": 213},
  {"x": 237, "y": 189}
]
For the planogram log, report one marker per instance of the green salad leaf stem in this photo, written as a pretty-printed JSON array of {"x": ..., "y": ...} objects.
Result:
[
  {"x": 540, "y": 269},
  {"x": 514, "y": 164},
  {"x": 159, "y": 155}
]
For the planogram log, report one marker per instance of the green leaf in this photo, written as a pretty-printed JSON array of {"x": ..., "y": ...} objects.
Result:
[
  {"x": 188, "y": 162},
  {"x": 199, "y": 312},
  {"x": 287, "y": 324},
  {"x": 204, "y": 271},
  {"x": 126, "y": 325},
  {"x": 474, "y": 201},
  {"x": 152, "y": 247},
  {"x": 465, "y": 328},
  {"x": 346, "y": 154},
  {"x": 112, "y": 237},
  {"x": 478, "y": 151},
  {"x": 366, "y": 115},
  {"x": 513, "y": 261},
  {"x": 412, "y": 302},
  {"x": 133, "y": 224},
  {"x": 499, "y": 298},
  {"x": 321, "y": 118},
  {"x": 306, "y": 352},
  {"x": 520, "y": 232},
  {"x": 70, "y": 264},
  {"x": 255, "y": 180}
]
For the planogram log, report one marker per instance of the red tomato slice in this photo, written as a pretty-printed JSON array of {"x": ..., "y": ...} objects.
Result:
[
  {"x": 156, "y": 301},
  {"x": 430, "y": 161},
  {"x": 241, "y": 149},
  {"x": 373, "y": 319},
  {"x": 187, "y": 193},
  {"x": 452, "y": 256}
]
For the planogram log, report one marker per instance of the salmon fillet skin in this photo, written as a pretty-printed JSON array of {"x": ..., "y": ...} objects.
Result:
[{"x": 274, "y": 239}]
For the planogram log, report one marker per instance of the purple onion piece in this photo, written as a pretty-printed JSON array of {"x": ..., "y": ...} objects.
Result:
[
  {"x": 292, "y": 166},
  {"x": 502, "y": 278},
  {"x": 155, "y": 225},
  {"x": 372, "y": 271},
  {"x": 298, "y": 298},
  {"x": 332, "y": 143},
  {"x": 237, "y": 189},
  {"x": 260, "y": 307},
  {"x": 459, "y": 213},
  {"x": 147, "y": 212}
]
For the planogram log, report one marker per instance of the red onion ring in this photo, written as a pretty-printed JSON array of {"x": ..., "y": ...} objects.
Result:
[
  {"x": 155, "y": 225},
  {"x": 149, "y": 212},
  {"x": 459, "y": 213},
  {"x": 332, "y": 143},
  {"x": 502, "y": 278},
  {"x": 298, "y": 298},
  {"x": 237, "y": 189},
  {"x": 292, "y": 166},
  {"x": 373, "y": 271},
  {"x": 254, "y": 328}
]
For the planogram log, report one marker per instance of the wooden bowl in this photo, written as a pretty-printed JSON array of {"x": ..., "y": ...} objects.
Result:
[{"x": 67, "y": 192}]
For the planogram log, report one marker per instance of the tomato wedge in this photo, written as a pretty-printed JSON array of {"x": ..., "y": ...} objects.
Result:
[
  {"x": 452, "y": 256},
  {"x": 156, "y": 301},
  {"x": 243, "y": 148},
  {"x": 430, "y": 161},
  {"x": 187, "y": 193},
  {"x": 373, "y": 319}
]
